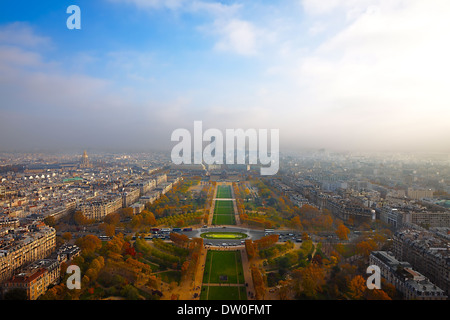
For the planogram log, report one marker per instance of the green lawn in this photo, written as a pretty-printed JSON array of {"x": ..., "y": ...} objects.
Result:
[
  {"x": 223, "y": 263},
  {"x": 223, "y": 219},
  {"x": 170, "y": 276},
  {"x": 219, "y": 264},
  {"x": 224, "y": 207},
  {"x": 223, "y": 293},
  {"x": 224, "y": 212},
  {"x": 224, "y": 192}
]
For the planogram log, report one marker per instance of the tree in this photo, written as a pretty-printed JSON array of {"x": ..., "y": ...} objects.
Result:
[
  {"x": 377, "y": 294},
  {"x": 296, "y": 223},
  {"x": 149, "y": 218},
  {"x": 112, "y": 219},
  {"x": 366, "y": 247},
  {"x": 250, "y": 249},
  {"x": 357, "y": 288},
  {"x": 127, "y": 212},
  {"x": 342, "y": 232},
  {"x": 80, "y": 219},
  {"x": 50, "y": 221},
  {"x": 267, "y": 241},
  {"x": 181, "y": 240},
  {"x": 89, "y": 243},
  {"x": 67, "y": 236},
  {"x": 312, "y": 278},
  {"x": 110, "y": 230}
]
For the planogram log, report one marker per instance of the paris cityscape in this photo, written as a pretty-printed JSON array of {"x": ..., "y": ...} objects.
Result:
[
  {"x": 230, "y": 151},
  {"x": 140, "y": 227}
]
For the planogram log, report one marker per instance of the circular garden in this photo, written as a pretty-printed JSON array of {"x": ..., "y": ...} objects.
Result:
[{"x": 224, "y": 235}]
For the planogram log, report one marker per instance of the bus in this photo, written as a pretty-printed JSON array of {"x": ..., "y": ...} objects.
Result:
[
  {"x": 269, "y": 230},
  {"x": 187, "y": 229}
]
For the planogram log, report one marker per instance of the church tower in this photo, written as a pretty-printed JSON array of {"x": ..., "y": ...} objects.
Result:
[{"x": 85, "y": 161}]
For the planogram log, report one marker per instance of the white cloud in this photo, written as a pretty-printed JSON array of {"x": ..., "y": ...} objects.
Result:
[
  {"x": 236, "y": 36},
  {"x": 21, "y": 34},
  {"x": 154, "y": 4},
  {"x": 381, "y": 80}
]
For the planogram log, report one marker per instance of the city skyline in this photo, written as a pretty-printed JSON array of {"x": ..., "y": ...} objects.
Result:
[{"x": 341, "y": 75}]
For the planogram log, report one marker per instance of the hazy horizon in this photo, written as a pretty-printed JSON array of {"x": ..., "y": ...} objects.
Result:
[{"x": 343, "y": 75}]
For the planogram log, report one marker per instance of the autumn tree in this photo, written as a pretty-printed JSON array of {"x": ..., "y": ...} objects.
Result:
[
  {"x": 127, "y": 212},
  {"x": 112, "y": 219},
  {"x": 148, "y": 218},
  {"x": 266, "y": 241},
  {"x": 258, "y": 283},
  {"x": 80, "y": 219},
  {"x": 365, "y": 247},
  {"x": 296, "y": 223},
  {"x": 181, "y": 240},
  {"x": 342, "y": 232},
  {"x": 311, "y": 280},
  {"x": 67, "y": 236},
  {"x": 89, "y": 243},
  {"x": 357, "y": 288},
  {"x": 250, "y": 249},
  {"x": 50, "y": 221},
  {"x": 308, "y": 211}
]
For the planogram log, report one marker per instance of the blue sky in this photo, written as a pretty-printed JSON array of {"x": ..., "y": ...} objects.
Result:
[{"x": 338, "y": 74}]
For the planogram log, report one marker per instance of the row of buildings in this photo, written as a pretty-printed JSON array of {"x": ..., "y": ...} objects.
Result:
[
  {"x": 427, "y": 250},
  {"x": 29, "y": 260},
  {"x": 134, "y": 196},
  {"x": 411, "y": 283},
  {"x": 397, "y": 217}
]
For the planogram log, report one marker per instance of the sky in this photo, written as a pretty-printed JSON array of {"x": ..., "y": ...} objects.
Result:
[{"x": 344, "y": 75}]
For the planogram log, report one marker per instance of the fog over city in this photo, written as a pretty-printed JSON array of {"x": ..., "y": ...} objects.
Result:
[{"x": 367, "y": 75}]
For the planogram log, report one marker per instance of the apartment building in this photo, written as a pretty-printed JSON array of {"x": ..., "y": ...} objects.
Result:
[
  {"x": 99, "y": 209},
  {"x": 22, "y": 246},
  {"x": 130, "y": 196},
  {"x": 35, "y": 279},
  {"x": 418, "y": 194},
  {"x": 427, "y": 252},
  {"x": 411, "y": 283}
]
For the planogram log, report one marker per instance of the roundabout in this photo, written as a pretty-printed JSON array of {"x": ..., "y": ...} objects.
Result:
[{"x": 224, "y": 235}]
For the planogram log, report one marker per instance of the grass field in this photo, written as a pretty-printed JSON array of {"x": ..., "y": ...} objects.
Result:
[
  {"x": 224, "y": 213},
  {"x": 223, "y": 293},
  {"x": 224, "y": 207},
  {"x": 170, "y": 276},
  {"x": 223, "y": 267},
  {"x": 223, "y": 263},
  {"x": 223, "y": 192},
  {"x": 221, "y": 219}
]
